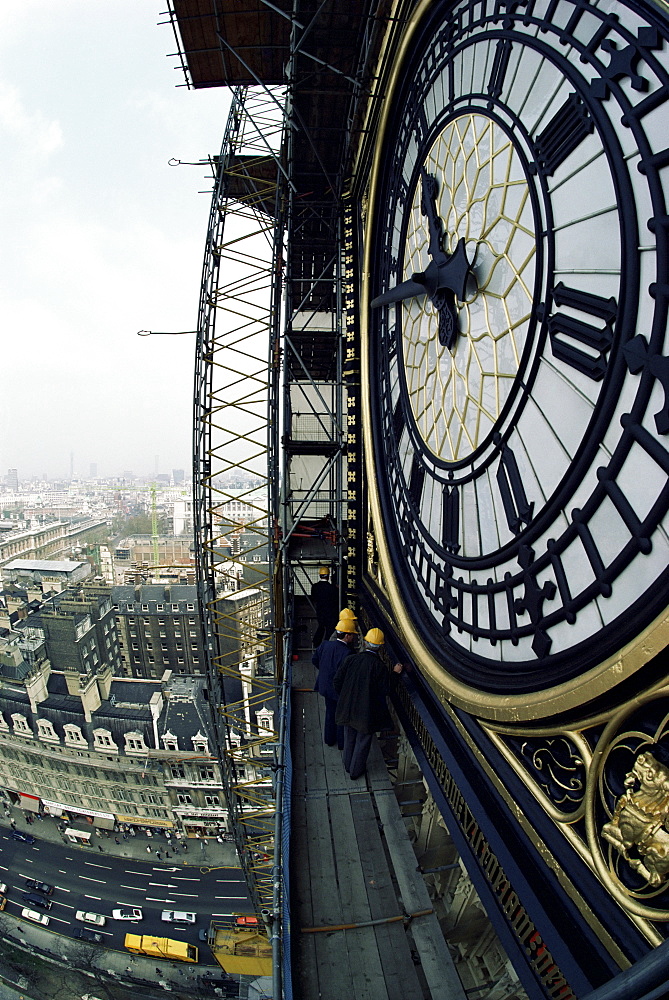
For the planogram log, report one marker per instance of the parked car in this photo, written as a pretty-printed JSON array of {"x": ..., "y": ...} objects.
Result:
[
  {"x": 27, "y": 838},
  {"x": 128, "y": 913},
  {"x": 35, "y": 899},
  {"x": 39, "y": 918},
  {"x": 3, "y": 888},
  {"x": 178, "y": 917},
  {"x": 44, "y": 887},
  {"x": 203, "y": 934},
  {"x": 86, "y": 934},
  {"x": 91, "y": 918}
]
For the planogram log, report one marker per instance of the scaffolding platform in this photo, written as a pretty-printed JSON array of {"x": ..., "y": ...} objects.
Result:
[{"x": 354, "y": 872}]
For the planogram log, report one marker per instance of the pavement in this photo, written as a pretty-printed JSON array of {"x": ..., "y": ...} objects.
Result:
[{"x": 37, "y": 963}]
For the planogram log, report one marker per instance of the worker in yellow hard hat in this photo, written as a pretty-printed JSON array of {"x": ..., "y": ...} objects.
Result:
[
  {"x": 327, "y": 659},
  {"x": 362, "y": 683}
]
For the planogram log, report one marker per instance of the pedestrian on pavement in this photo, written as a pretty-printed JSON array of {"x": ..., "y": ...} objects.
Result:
[
  {"x": 148, "y": 849},
  {"x": 327, "y": 659},
  {"x": 362, "y": 683},
  {"x": 158, "y": 855},
  {"x": 185, "y": 847},
  {"x": 99, "y": 847},
  {"x": 167, "y": 854},
  {"x": 325, "y": 598},
  {"x": 116, "y": 840}
]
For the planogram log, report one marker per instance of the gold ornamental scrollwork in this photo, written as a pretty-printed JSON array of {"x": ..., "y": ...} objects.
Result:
[{"x": 627, "y": 807}]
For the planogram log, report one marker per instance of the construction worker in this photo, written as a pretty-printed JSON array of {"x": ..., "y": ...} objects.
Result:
[
  {"x": 325, "y": 598},
  {"x": 362, "y": 683},
  {"x": 327, "y": 660},
  {"x": 348, "y": 616}
]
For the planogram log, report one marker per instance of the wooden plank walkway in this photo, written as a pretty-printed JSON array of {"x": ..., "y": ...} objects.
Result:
[{"x": 352, "y": 863}]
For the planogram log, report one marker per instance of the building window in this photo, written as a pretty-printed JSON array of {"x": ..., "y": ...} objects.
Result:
[
  {"x": 206, "y": 774},
  {"x": 21, "y": 725},
  {"x": 134, "y": 743},
  {"x": 212, "y": 800},
  {"x": 190, "y": 607},
  {"x": 159, "y": 607},
  {"x": 184, "y": 799},
  {"x": 200, "y": 744},
  {"x": 73, "y": 735},
  {"x": 170, "y": 741},
  {"x": 175, "y": 607},
  {"x": 145, "y": 607},
  {"x": 45, "y": 730},
  {"x": 177, "y": 771}
]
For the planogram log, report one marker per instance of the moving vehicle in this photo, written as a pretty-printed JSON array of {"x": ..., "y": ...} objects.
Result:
[
  {"x": 3, "y": 888},
  {"x": 128, "y": 913},
  {"x": 39, "y": 918},
  {"x": 178, "y": 917},
  {"x": 35, "y": 899},
  {"x": 44, "y": 887},
  {"x": 27, "y": 838},
  {"x": 90, "y": 918},
  {"x": 145, "y": 944},
  {"x": 86, "y": 934}
]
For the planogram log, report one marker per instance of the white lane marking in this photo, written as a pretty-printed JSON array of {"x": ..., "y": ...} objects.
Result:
[
  {"x": 86, "y": 896},
  {"x": 223, "y": 914},
  {"x": 60, "y": 920},
  {"x": 136, "y": 888},
  {"x": 4, "y": 869},
  {"x": 191, "y": 895},
  {"x": 88, "y": 878},
  {"x": 92, "y": 864},
  {"x": 61, "y": 871},
  {"x": 153, "y": 899},
  {"x": 186, "y": 878},
  {"x": 238, "y": 880},
  {"x": 146, "y": 874},
  {"x": 165, "y": 885},
  {"x": 230, "y": 897}
]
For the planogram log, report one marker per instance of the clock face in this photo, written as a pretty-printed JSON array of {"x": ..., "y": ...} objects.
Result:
[{"x": 516, "y": 324}]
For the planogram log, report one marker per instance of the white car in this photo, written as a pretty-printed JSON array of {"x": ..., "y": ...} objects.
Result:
[
  {"x": 178, "y": 917},
  {"x": 128, "y": 913},
  {"x": 3, "y": 888},
  {"x": 91, "y": 918},
  {"x": 39, "y": 918}
]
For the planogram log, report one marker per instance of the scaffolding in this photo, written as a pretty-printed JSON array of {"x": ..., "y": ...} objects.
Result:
[{"x": 233, "y": 526}]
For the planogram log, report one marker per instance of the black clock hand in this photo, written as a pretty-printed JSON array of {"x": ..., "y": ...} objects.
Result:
[{"x": 445, "y": 277}]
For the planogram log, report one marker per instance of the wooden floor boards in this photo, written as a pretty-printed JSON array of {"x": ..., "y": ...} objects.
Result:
[{"x": 342, "y": 873}]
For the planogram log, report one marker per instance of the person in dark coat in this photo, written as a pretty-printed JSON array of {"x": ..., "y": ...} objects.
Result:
[
  {"x": 325, "y": 598},
  {"x": 362, "y": 683},
  {"x": 327, "y": 659}
]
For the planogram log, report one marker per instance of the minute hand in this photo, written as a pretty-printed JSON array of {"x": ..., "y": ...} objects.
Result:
[{"x": 445, "y": 277}]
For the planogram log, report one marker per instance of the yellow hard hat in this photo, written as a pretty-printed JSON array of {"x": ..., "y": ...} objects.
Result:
[
  {"x": 375, "y": 636},
  {"x": 345, "y": 625},
  {"x": 347, "y": 614},
  {"x": 324, "y": 571}
]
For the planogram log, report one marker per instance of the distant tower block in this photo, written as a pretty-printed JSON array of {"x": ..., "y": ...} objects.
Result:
[
  {"x": 177, "y": 476},
  {"x": 94, "y": 470},
  {"x": 13, "y": 479}
]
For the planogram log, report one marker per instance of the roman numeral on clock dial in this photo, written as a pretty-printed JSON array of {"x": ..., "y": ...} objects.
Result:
[{"x": 567, "y": 332}]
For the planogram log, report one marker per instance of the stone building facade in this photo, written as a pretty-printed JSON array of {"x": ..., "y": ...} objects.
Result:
[
  {"x": 105, "y": 751},
  {"x": 159, "y": 629}
]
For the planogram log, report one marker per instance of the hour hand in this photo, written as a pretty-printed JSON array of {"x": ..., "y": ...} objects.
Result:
[{"x": 405, "y": 290}]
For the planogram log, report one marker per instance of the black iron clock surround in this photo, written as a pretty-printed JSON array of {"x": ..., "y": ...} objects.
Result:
[{"x": 525, "y": 539}]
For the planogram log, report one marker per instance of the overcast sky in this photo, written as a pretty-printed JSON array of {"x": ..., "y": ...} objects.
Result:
[{"x": 100, "y": 237}]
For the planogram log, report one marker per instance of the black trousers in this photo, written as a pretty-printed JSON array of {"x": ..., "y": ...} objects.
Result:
[{"x": 356, "y": 751}]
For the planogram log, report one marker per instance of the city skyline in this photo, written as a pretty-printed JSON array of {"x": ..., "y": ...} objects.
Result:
[{"x": 102, "y": 238}]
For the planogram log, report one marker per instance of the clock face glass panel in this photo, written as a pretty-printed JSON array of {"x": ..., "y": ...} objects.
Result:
[
  {"x": 457, "y": 395},
  {"x": 517, "y": 336}
]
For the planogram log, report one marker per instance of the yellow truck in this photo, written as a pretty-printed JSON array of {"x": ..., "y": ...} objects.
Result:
[{"x": 161, "y": 947}]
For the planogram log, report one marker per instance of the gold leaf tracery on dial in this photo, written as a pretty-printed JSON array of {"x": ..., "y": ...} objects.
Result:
[{"x": 483, "y": 196}]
